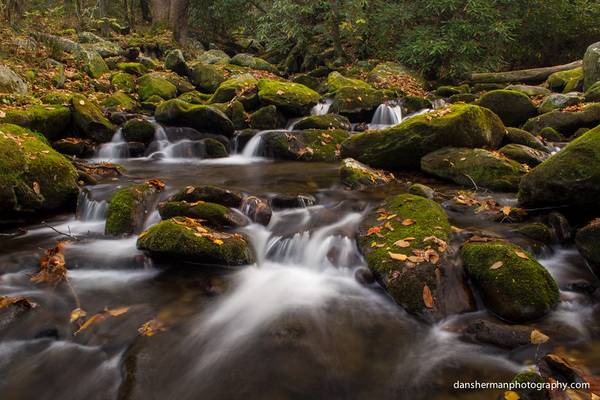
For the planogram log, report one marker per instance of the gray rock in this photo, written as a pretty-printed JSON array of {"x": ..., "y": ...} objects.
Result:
[
  {"x": 10, "y": 82},
  {"x": 591, "y": 65}
]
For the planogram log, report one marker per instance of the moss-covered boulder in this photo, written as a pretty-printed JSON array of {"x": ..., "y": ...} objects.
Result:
[
  {"x": 327, "y": 121},
  {"x": 175, "y": 61},
  {"x": 93, "y": 64},
  {"x": 474, "y": 167},
  {"x": 411, "y": 104},
  {"x": 449, "y": 90},
  {"x": 138, "y": 130},
  {"x": 243, "y": 87},
  {"x": 569, "y": 178},
  {"x": 404, "y": 243},
  {"x": 52, "y": 121},
  {"x": 335, "y": 81},
  {"x": 403, "y": 145},
  {"x": 387, "y": 72},
  {"x": 536, "y": 231},
  {"x": 587, "y": 240},
  {"x": 89, "y": 120},
  {"x": 530, "y": 90},
  {"x": 565, "y": 122},
  {"x": 267, "y": 117},
  {"x": 152, "y": 85},
  {"x": 463, "y": 98},
  {"x": 194, "y": 97},
  {"x": 512, "y": 284},
  {"x": 209, "y": 193},
  {"x": 556, "y": 101},
  {"x": 123, "y": 81},
  {"x": 514, "y": 108},
  {"x": 56, "y": 98},
  {"x": 290, "y": 98},
  {"x": 76, "y": 147},
  {"x": 523, "y": 154},
  {"x": 133, "y": 68},
  {"x": 212, "y": 214},
  {"x": 201, "y": 117},
  {"x": 550, "y": 134},
  {"x": 182, "y": 84},
  {"x": 120, "y": 101},
  {"x": 591, "y": 65},
  {"x": 187, "y": 240},
  {"x": 33, "y": 176},
  {"x": 207, "y": 77},
  {"x": 10, "y": 82},
  {"x": 235, "y": 112},
  {"x": 128, "y": 207},
  {"x": 593, "y": 93},
  {"x": 519, "y": 136},
  {"x": 418, "y": 189},
  {"x": 358, "y": 103},
  {"x": 250, "y": 61},
  {"x": 308, "y": 145},
  {"x": 558, "y": 80},
  {"x": 357, "y": 176},
  {"x": 214, "y": 56}
]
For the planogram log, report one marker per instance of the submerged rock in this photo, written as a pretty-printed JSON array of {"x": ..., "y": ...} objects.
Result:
[
  {"x": 33, "y": 176},
  {"x": 52, "y": 121},
  {"x": 214, "y": 215},
  {"x": 308, "y": 145},
  {"x": 90, "y": 121},
  {"x": 510, "y": 281},
  {"x": 327, "y": 121},
  {"x": 403, "y": 145},
  {"x": 187, "y": 240},
  {"x": 290, "y": 98},
  {"x": 201, "y": 117},
  {"x": 356, "y": 175},
  {"x": 587, "y": 240},
  {"x": 501, "y": 335},
  {"x": 474, "y": 167},
  {"x": 128, "y": 207},
  {"x": 514, "y": 108}
]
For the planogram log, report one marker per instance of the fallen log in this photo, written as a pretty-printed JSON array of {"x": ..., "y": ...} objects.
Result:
[{"x": 533, "y": 75}]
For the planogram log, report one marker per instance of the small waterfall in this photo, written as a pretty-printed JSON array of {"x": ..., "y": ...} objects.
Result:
[
  {"x": 89, "y": 210},
  {"x": 253, "y": 147},
  {"x": 322, "y": 107},
  {"x": 386, "y": 115},
  {"x": 117, "y": 148}
]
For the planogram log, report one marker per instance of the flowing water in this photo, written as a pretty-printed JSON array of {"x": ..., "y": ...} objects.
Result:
[{"x": 295, "y": 325}]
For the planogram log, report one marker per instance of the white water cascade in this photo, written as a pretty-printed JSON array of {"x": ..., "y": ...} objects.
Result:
[
  {"x": 322, "y": 108},
  {"x": 386, "y": 115}
]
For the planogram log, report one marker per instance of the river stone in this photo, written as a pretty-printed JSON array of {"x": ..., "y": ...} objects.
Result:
[
  {"x": 243, "y": 87},
  {"x": 201, "y": 117},
  {"x": 569, "y": 178},
  {"x": 357, "y": 176},
  {"x": 214, "y": 215},
  {"x": 128, "y": 207},
  {"x": 565, "y": 122},
  {"x": 93, "y": 64},
  {"x": 308, "y": 145},
  {"x": 194, "y": 97},
  {"x": 529, "y": 90},
  {"x": 52, "y": 121},
  {"x": 519, "y": 136},
  {"x": 90, "y": 121},
  {"x": 418, "y": 189},
  {"x": 514, "y": 108},
  {"x": 120, "y": 101},
  {"x": 591, "y": 65},
  {"x": 33, "y": 176},
  {"x": 123, "y": 81},
  {"x": 403, "y": 145},
  {"x": 558, "y": 100},
  {"x": 501, "y": 335},
  {"x": 267, "y": 118},
  {"x": 287, "y": 201},
  {"x": 76, "y": 147},
  {"x": 209, "y": 193},
  {"x": 335, "y": 81},
  {"x": 175, "y": 61},
  {"x": 593, "y": 93},
  {"x": 151, "y": 85},
  {"x": 257, "y": 209},
  {"x": 187, "y": 240},
  {"x": 358, "y": 103},
  {"x": 523, "y": 154},
  {"x": 327, "y": 121},
  {"x": 291, "y": 98},
  {"x": 10, "y": 82},
  {"x": 558, "y": 80},
  {"x": 519, "y": 290},
  {"x": 138, "y": 130},
  {"x": 207, "y": 77},
  {"x": 420, "y": 283},
  {"x": 133, "y": 68},
  {"x": 250, "y": 61},
  {"x": 587, "y": 240},
  {"x": 470, "y": 167}
]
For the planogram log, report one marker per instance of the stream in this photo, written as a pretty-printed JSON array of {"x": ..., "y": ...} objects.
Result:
[{"x": 295, "y": 325}]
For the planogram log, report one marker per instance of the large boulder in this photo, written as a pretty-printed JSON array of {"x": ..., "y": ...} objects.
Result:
[
  {"x": 212, "y": 214},
  {"x": 214, "y": 56},
  {"x": 133, "y": 68},
  {"x": 403, "y": 145},
  {"x": 587, "y": 240},
  {"x": 93, "y": 63},
  {"x": 556, "y": 101},
  {"x": 558, "y": 80},
  {"x": 33, "y": 176},
  {"x": 357, "y": 176},
  {"x": 570, "y": 178},
  {"x": 327, "y": 121},
  {"x": 474, "y": 167},
  {"x": 591, "y": 65},
  {"x": 242, "y": 86},
  {"x": 52, "y": 121},
  {"x": 267, "y": 117},
  {"x": 120, "y": 101},
  {"x": 152, "y": 85},
  {"x": 10, "y": 82},
  {"x": 404, "y": 242},
  {"x": 359, "y": 103},
  {"x": 187, "y": 239},
  {"x": 524, "y": 155},
  {"x": 201, "y": 117},
  {"x": 519, "y": 136},
  {"x": 207, "y": 77},
  {"x": 291, "y": 98},
  {"x": 138, "y": 130},
  {"x": 308, "y": 145},
  {"x": 128, "y": 207},
  {"x": 209, "y": 193},
  {"x": 123, "y": 81},
  {"x": 89, "y": 120},
  {"x": 512, "y": 284},
  {"x": 593, "y": 93},
  {"x": 565, "y": 122},
  {"x": 335, "y": 81},
  {"x": 175, "y": 61},
  {"x": 514, "y": 108},
  {"x": 250, "y": 61}
]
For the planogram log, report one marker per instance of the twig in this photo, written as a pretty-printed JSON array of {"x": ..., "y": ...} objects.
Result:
[{"x": 75, "y": 238}]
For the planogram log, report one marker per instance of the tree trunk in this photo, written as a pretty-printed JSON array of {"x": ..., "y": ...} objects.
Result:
[
  {"x": 145, "y": 8},
  {"x": 335, "y": 29},
  {"x": 178, "y": 20},
  {"x": 128, "y": 12},
  {"x": 533, "y": 75},
  {"x": 160, "y": 10}
]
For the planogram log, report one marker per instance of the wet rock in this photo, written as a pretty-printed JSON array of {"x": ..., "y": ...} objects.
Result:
[
  {"x": 244, "y": 136},
  {"x": 175, "y": 134},
  {"x": 184, "y": 239},
  {"x": 10, "y": 82},
  {"x": 327, "y": 121},
  {"x": 90, "y": 121},
  {"x": 411, "y": 104},
  {"x": 557, "y": 101},
  {"x": 568, "y": 178},
  {"x": 209, "y": 193},
  {"x": 558, "y": 80},
  {"x": 560, "y": 226},
  {"x": 291, "y": 98},
  {"x": 533, "y": 393},
  {"x": 120, "y": 101},
  {"x": 52, "y": 121},
  {"x": 151, "y": 85},
  {"x": 519, "y": 136},
  {"x": 13, "y": 307},
  {"x": 587, "y": 240},
  {"x": 207, "y": 77},
  {"x": 285, "y": 201},
  {"x": 501, "y": 335},
  {"x": 591, "y": 65},
  {"x": 257, "y": 209},
  {"x": 235, "y": 112},
  {"x": 128, "y": 208},
  {"x": 510, "y": 281},
  {"x": 309, "y": 145},
  {"x": 250, "y": 61},
  {"x": 404, "y": 243},
  {"x": 138, "y": 130},
  {"x": 419, "y": 189},
  {"x": 565, "y": 122},
  {"x": 214, "y": 148},
  {"x": 529, "y": 90},
  {"x": 136, "y": 149},
  {"x": 403, "y": 145},
  {"x": 448, "y": 90},
  {"x": 76, "y": 147},
  {"x": 34, "y": 177},
  {"x": 200, "y": 117},
  {"x": 523, "y": 154},
  {"x": 593, "y": 93},
  {"x": 214, "y": 56},
  {"x": 175, "y": 61},
  {"x": 357, "y": 176},
  {"x": 214, "y": 215},
  {"x": 267, "y": 118},
  {"x": 123, "y": 81},
  {"x": 242, "y": 87},
  {"x": 514, "y": 108},
  {"x": 537, "y": 231},
  {"x": 552, "y": 135},
  {"x": 359, "y": 103},
  {"x": 474, "y": 167},
  {"x": 132, "y": 68},
  {"x": 364, "y": 276}
]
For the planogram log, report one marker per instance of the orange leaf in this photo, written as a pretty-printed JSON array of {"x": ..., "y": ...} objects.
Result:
[
  {"x": 497, "y": 264},
  {"x": 373, "y": 230},
  {"x": 408, "y": 222},
  {"x": 522, "y": 255},
  {"x": 401, "y": 243},
  {"x": 398, "y": 256},
  {"x": 427, "y": 297}
]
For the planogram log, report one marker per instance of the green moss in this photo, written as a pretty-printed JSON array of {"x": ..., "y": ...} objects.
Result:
[
  {"x": 132, "y": 68},
  {"x": 126, "y": 209},
  {"x": 56, "y": 98},
  {"x": 514, "y": 108},
  {"x": 90, "y": 121},
  {"x": 120, "y": 101},
  {"x": 308, "y": 145},
  {"x": 358, "y": 176},
  {"x": 558, "y": 80},
  {"x": 52, "y": 121},
  {"x": 593, "y": 93},
  {"x": 214, "y": 215},
  {"x": 242, "y": 86},
  {"x": 565, "y": 122},
  {"x": 520, "y": 290},
  {"x": 123, "y": 81},
  {"x": 536, "y": 231},
  {"x": 194, "y": 97},
  {"x": 267, "y": 118},
  {"x": 214, "y": 57},
  {"x": 177, "y": 238},
  {"x": 418, "y": 189},
  {"x": 523, "y": 154},
  {"x": 414, "y": 103},
  {"x": 552, "y": 135},
  {"x": 531, "y": 394},
  {"x": 93, "y": 64},
  {"x": 207, "y": 77},
  {"x": 291, "y": 98},
  {"x": 519, "y": 136},
  {"x": 447, "y": 91},
  {"x": 327, "y": 121},
  {"x": 357, "y": 100},
  {"x": 138, "y": 130},
  {"x": 335, "y": 81},
  {"x": 200, "y": 117},
  {"x": 249, "y": 61},
  {"x": 403, "y": 145},
  {"x": 151, "y": 85},
  {"x": 463, "y": 98}
]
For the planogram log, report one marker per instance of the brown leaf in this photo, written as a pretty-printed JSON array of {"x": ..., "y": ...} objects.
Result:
[
  {"x": 23, "y": 302},
  {"x": 506, "y": 210},
  {"x": 36, "y": 188},
  {"x": 408, "y": 222},
  {"x": 497, "y": 264},
  {"x": 77, "y": 314},
  {"x": 101, "y": 316},
  {"x": 538, "y": 337},
  {"x": 402, "y": 243},
  {"x": 522, "y": 255},
  {"x": 427, "y": 297},
  {"x": 52, "y": 266},
  {"x": 373, "y": 230},
  {"x": 152, "y": 327},
  {"x": 398, "y": 256}
]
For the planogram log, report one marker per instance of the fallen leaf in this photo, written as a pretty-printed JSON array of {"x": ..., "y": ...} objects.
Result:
[
  {"x": 408, "y": 222},
  {"x": 497, "y": 264},
  {"x": 506, "y": 210},
  {"x": 151, "y": 328},
  {"x": 373, "y": 230},
  {"x": 101, "y": 316},
  {"x": 77, "y": 314},
  {"x": 522, "y": 255},
  {"x": 24, "y": 302},
  {"x": 427, "y": 297},
  {"x": 218, "y": 242},
  {"x": 538, "y": 337},
  {"x": 402, "y": 243},
  {"x": 398, "y": 256},
  {"x": 52, "y": 266},
  {"x": 510, "y": 395},
  {"x": 36, "y": 188}
]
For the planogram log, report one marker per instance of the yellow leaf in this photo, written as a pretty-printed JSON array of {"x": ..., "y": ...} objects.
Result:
[
  {"x": 77, "y": 313},
  {"x": 497, "y": 264},
  {"x": 118, "y": 311},
  {"x": 538, "y": 337},
  {"x": 510, "y": 395},
  {"x": 408, "y": 222},
  {"x": 506, "y": 210},
  {"x": 398, "y": 256},
  {"x": 218, "y": 242},
  {"x": 522, "y": 255}
]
